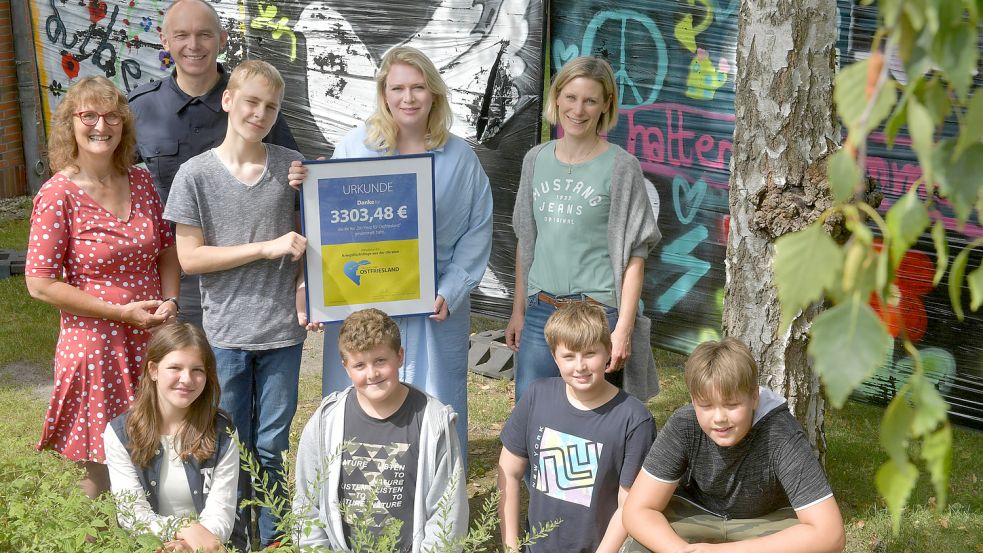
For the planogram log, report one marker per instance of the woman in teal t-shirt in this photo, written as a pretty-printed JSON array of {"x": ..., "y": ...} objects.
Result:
[{"x": 584, "y": 227}]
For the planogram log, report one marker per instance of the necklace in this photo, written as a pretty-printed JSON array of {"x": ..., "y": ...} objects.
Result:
[
  {"x": 597, "y": 140},
  {"x": 94, "y": 179}
]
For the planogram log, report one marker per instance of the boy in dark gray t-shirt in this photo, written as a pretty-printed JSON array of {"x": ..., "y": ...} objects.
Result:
[
  {"x": 236, "y": 222},
  {"x": 733, "y": 466}
]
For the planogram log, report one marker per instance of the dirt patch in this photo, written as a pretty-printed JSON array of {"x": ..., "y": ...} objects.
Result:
[
  {"x": 15, "y": 208},
  {"x": 37, "y": 380}
]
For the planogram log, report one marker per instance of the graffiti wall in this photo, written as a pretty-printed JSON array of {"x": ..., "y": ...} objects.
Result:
[
  {"x": 488, "y": 51},
  {"x": 674, "y": 62}
]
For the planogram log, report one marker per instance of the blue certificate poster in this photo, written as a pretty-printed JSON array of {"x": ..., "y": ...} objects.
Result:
[{"x": 369, "y": 227}]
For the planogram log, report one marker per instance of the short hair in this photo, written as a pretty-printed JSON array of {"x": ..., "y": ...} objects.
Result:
[
  {"x": 381, "y": 128},
  {"x": 212, "y": 14},
  {"x": 250, "y": 69},
  {"x": 578, "y": 326},
  {"x": 725, "y": 368},
  {"x": 366, "y": 329},
  {"x": 591, "y": 68},
  {"x": 97, "y": 93}
]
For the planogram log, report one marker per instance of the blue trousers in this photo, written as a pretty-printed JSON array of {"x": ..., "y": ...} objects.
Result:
[{"x": 259, "y": 391}]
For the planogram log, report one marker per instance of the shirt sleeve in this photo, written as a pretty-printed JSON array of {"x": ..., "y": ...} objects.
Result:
[
  {"x": 637, "y": 445},
  {"x": 311, "y": 475},
  {"x": 515, "y": 431},
  {"x": 800, "y": 473},
  {"x": 133, "y": 509},
  {"x": 668, "y": 458},
  {"x": 470, "y": 256},
  {"x": 219, "y": 513},
  {"x": 182, "y": 204},
  {"x": 50, "y": 235},
  {"x": 164, "y": 230}
]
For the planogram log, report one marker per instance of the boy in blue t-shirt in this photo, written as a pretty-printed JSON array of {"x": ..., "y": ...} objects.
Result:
[
  {"x": 734, "y": 468},
  {"x": 582, "y": 437}
]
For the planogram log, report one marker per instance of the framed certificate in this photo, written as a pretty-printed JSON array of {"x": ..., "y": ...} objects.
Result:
[{"x": 369, "y": 224}]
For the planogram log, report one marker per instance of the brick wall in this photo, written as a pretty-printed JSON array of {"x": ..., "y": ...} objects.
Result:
[{"x": 13, "y": 171}]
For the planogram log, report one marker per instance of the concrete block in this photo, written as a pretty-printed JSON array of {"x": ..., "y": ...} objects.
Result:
[
  {"x": 11, "y": 263},
  {"x": 489, "y": 356}
]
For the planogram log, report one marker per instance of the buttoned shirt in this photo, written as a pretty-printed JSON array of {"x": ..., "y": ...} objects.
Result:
[{"x": 173, "y": 126}]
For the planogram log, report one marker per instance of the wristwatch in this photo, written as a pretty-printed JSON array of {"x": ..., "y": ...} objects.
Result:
[{"x": 176, "y": 304}]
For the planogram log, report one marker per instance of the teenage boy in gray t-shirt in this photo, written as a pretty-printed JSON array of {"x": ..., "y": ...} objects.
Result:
[
  {"x": 236, "y": 221},
  {"x": 733, "y": 468}
]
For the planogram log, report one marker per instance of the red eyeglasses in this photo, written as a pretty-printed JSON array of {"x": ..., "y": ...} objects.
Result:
[{"x": 90, "y": 118}]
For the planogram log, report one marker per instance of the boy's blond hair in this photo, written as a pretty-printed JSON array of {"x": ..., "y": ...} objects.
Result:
[
  {"x": 366, "y": 329},
  {"x": 725, "y": 369},
  {"x": 578, "y": 326},
  {"x": 256, "y": 68}
]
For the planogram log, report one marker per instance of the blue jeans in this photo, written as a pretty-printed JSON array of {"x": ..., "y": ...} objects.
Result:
[
  {"x": 534, "y": 360},
  {"x": 259, "y": 391}
]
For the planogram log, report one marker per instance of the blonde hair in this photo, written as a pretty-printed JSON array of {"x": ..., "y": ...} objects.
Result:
[
  {"x": 578, "y": 326},
  {"x": 97, "y": 93},
  {"x": 250, "y": 69},
  {"x": 197, "y": 436},
  {"x": 381, "y": 128},
  {"x": 591, "y": 68},
  {"x": 366, "y": 329},
  {"x": 725, "y": 369}
]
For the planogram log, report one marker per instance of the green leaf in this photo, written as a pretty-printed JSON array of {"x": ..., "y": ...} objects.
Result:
[
  {"x": 895, "y": 427},
  {"x": 894, "y": 483},
  {"x": 806, "y": 263},
  {"x": 936, "y": 99},
  {"x": 937, "y": 453},
  {"x": 956, "y": 53},
  {"x": 930, "y": 408},
  {"x": 849, "y": 92},
  {"x": 844, "y": 175},
  {"x": 971, "y": 128},
  {"x": 848, "y": 344},
  {"x": 975, "y": 281},
  {"x": 959, "y": 179},
  {"x": 898, "y": 118},
  {"x": 921, "y": 129},
  {"x": 906, "y": 221},
  {"x": 941, "y": 252},
  {"x": 956, "y": 282},
  {"x": 889, "y": 11}
]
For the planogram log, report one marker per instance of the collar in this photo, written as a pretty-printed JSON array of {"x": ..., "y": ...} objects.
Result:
[{"x": 212, "y": 99}]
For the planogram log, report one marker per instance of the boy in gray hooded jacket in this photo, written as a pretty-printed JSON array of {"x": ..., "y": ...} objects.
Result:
[{"x": 381, "y": 439}]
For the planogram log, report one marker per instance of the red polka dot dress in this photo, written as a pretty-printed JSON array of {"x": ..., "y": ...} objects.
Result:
[{"x": 97, "y": 361}]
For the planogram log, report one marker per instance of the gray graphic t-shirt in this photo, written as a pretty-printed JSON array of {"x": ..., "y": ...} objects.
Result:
[
  {"x": 381, "y": 455},
  {"x": 579, "y": 459}
]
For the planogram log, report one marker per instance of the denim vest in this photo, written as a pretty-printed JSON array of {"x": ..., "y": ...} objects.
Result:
[{"x": 199, "y": 473}]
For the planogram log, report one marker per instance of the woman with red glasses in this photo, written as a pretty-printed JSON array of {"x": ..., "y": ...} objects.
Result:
[{"x": 99, "y": 252}]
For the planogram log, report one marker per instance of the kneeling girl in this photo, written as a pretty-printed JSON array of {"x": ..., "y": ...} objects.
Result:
[{"x": 173, "y": 465}]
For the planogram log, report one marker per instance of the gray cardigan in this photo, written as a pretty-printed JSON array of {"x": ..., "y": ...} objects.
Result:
[
  {"x": 632, "y": 232},
  {"x": 440, "y": 475}
]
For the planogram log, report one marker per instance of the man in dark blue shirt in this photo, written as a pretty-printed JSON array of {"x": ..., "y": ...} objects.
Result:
[{"x": 180, "y": 117}]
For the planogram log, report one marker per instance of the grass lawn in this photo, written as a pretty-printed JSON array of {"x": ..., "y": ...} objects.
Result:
[{"x": 28, "y": 331}]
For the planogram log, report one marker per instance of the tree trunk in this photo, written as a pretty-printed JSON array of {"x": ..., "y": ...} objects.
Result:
[{"x": 784, "y": 131}]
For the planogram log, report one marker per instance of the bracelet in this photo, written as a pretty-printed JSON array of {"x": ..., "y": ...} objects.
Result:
[{"x": 176, "y": 304}]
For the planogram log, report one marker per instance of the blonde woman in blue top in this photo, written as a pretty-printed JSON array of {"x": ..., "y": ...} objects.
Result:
[{"x": 413, "y": 116}]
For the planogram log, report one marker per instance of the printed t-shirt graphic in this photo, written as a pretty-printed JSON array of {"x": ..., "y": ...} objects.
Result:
[{"x": 567, "y": 466}]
